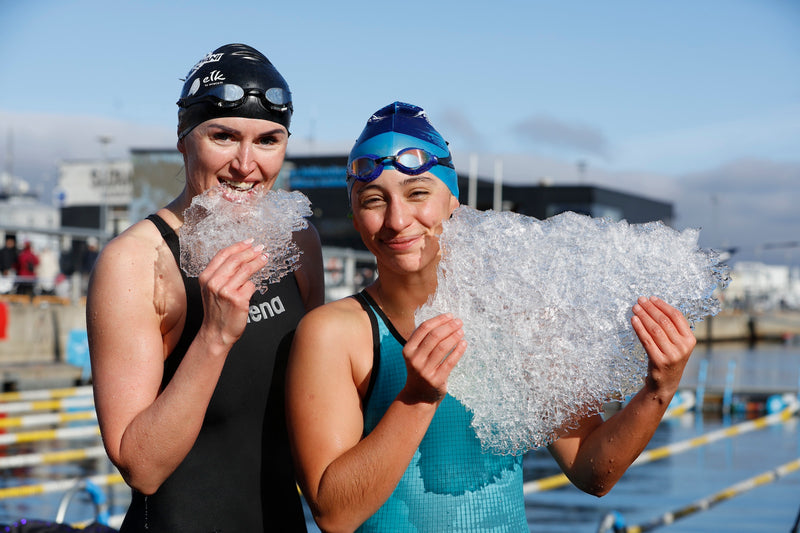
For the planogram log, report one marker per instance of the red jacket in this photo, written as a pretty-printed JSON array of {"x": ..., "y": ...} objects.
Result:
[{"x": 26, "y": 262}]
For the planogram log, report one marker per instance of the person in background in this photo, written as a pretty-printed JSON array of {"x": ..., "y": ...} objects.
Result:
[
  {"x": 25, "y": 266},
  {"x": 188, "y": 373},
  {"x": 88, "y": 259},
  {"x": 8, "y": 258},
  {"x": 379, "y": 444},
  {"x": 48, "y": 271}
]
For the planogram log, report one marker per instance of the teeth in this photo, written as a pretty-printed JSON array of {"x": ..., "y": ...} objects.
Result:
[{"x": 239, "y": 185}]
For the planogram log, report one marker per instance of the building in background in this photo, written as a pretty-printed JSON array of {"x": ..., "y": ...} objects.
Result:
[
  {"x": 95, "y": 194},
  {"x": 758, "y": 287},
  {"x": 322, "y": 180},
  {"x": 102, "y": 197},
  {"x": 127, "y": 191}
]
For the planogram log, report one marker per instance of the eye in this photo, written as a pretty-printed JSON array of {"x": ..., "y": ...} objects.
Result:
[
  {"x": 221, "y": 136},
  {"x": 419, "y": 194},
  {"x": 268, "y": 140},
  {"x": 370, "y": 201}
]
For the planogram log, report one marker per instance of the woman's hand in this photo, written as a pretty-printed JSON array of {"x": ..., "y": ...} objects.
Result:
[
  {"x": 430, "y": 354},
  {"x": 226, "y": 289},
  {"x": 668, "y": 341}
]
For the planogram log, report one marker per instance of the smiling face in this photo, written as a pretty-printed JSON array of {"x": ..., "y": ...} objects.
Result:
[
  {"x": 400, "y": 217},
  {"x": 241, "y": 153}
]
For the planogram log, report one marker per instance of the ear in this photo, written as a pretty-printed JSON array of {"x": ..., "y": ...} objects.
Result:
[
  {"x": 181, "y": 146},
  {"x": 453, "y": 204}
]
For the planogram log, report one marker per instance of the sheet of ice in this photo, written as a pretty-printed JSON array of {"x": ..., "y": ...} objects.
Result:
[
  {"x": 220, "y": 217},
  {"x": 546, "y": 307}
]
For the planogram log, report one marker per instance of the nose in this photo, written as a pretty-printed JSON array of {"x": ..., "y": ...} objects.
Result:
[
  {"x": 396, "y": 215},
  {"x": 243, "y": 162}
]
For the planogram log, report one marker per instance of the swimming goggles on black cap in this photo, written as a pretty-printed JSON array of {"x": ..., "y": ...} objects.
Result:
[{"x": 229, "y": 95}]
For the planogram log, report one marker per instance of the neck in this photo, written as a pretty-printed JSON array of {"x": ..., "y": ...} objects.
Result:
[
  {"x": 178, "y": 205},
  {"x": 400, "y": 295}
]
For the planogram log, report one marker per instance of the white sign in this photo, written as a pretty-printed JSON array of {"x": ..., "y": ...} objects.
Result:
[{"x": 96, "y": 182}]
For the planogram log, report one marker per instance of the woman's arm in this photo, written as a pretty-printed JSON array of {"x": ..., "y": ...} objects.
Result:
[
  {"x": 148, "y": 432},
  {"x": 596, "y": 454},
  {"x": 344, "y": 477}
]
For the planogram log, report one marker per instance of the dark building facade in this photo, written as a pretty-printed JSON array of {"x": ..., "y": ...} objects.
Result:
[{"x": 322, "y": 180}]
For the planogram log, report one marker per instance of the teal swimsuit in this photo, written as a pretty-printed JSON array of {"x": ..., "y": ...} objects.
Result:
[{"x": 450, "y": 484}]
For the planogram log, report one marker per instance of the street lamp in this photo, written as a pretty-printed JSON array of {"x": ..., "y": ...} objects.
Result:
[{"x": 104, "y": 141}]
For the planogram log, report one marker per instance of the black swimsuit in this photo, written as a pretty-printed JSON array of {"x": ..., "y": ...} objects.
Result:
[{"x": 238, "y": 476}]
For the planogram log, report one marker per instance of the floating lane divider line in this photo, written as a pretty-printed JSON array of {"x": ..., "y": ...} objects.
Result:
[
  {"x": 43, "y": 420},
  {"x": 46, "y": 394},
  {"x": 682, "y": 403},
  {"x": 559, "y": 480},
  {"x": 48, "y": 458},
  {"x": 80, "y": 432},
  {"x": 614, "y": 521},
  {"x": 713, "y": 436},
  {"x": 64, "y": 404},
  {"x": 60, "y": 485}
]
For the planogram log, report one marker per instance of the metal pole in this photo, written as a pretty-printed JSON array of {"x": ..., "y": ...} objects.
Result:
[
  {"x": 472, "y": 196},
  {"x": 104, "y": 140},
  {"x": 498, "y": 185}
]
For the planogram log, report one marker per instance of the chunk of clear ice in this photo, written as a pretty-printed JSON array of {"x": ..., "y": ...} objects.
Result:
[
  {"x": 546, "y": 307},
  {"x": 221, "y": 216}
]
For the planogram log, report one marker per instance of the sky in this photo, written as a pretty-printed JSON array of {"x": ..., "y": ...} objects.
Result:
[{"x": 693, "y": 102}]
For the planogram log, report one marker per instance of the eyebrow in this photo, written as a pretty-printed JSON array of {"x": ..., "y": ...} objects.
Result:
[
  {"x": 408, "y": 181},
  {"x": 275, "y": 131}
]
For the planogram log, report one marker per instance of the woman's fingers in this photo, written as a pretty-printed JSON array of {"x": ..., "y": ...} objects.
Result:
[
  {"x": 231, "y": 268},
  {"x": 431, "y": 352},
  {"x": 435, "y": 338},
  {"x": 666, "y": 337},
  {"x": 221, "y": 257},
  {"x": 658, "y": 325}
]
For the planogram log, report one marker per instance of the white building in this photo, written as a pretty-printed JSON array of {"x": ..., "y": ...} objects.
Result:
[
  {"x": 762, "y": 287},
  {"x": 22, "y": 214},
  {"x": 95, "y": 194}
]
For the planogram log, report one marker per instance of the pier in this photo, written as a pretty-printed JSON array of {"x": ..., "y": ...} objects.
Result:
[
  {"x": 43, "y": 345},
  {"x": 739, "y": 326}
]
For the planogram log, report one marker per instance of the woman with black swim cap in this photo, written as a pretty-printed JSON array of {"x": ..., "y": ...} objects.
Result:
[{"x": 188, "y": 372}]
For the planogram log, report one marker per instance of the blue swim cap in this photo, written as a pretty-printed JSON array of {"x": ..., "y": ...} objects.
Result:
[{"x": 399, "y": 126}]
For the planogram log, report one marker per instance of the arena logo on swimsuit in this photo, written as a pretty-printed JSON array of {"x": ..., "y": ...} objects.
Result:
[{"x": 265, "y": 310}]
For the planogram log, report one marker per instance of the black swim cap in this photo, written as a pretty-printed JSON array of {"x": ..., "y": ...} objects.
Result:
[{"x": 235, "y": 80}]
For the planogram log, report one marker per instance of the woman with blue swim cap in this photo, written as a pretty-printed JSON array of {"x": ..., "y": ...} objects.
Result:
[
  {"x": 380, "y": 445},
  {"x": 413, "y": 145},
  {"x": 188, "y": 372}
]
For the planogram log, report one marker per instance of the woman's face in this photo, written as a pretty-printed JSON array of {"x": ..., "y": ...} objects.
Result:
[
  {"x": 238, "y": 152},
  {"x": 400, "y": 217}
]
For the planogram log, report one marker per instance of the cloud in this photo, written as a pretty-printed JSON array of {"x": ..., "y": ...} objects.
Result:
[
  {"x": 773, "y": 134},
  {"x": 747, "y": 203},
  {"x": 38, "y": 142},
  {"x": 454, "y": 125},
  {"x": 552, "y": 132}
]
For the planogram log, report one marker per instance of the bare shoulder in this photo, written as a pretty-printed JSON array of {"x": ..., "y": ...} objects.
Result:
[
  {"x": 341, "y": 319},
  {"x": 133, "y": 248},
  {"x": 338, "y": 334},
  {"x": 137, "y": 272}
]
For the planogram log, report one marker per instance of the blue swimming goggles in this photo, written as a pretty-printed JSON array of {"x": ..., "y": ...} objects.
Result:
[
  {"x": 411, "y": 161},
  {"x": 229, "y": 95}
]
